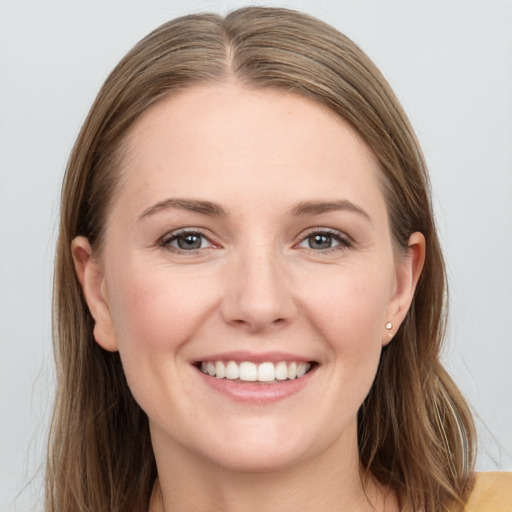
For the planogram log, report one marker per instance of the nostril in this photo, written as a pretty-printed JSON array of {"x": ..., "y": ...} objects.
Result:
[{"x": 258, "y": 299}]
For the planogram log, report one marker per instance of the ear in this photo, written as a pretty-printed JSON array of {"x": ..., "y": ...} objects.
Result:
[
  {"x": 91, "y": 277},
  {"x": 408, "y": 271}
]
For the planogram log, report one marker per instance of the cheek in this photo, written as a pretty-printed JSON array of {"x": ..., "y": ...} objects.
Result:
[
  {"x": 154, "y": 316},
  {"x": 349, "y": 311},
  {"x": 153, "y": 310},
  {"x": 351, "y": 308}
]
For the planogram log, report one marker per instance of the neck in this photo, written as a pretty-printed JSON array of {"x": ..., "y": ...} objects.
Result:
[{"x": 330, "y": 481}]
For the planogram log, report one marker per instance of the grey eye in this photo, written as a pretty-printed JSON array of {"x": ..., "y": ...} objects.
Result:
[
  {"x": 187, "y": 241},
  {"x": 320, "y": 241},
  {"x": 324, "y": 240}
]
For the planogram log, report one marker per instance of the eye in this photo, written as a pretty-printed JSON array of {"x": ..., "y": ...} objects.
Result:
[
  {"x": 325, "y": 240},
  {"x": 186, "y": 241}
]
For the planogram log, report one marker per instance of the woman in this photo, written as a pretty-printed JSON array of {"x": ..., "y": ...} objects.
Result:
[{"x": 249, "y": 290}]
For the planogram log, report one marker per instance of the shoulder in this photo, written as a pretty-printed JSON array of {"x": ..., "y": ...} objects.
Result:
[{"x": 492, "y": 492}]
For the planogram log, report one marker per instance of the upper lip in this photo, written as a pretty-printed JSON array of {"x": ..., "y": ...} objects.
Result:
[{"x": 254, "y": 357}]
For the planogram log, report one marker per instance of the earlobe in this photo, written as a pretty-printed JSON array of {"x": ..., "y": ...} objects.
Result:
[
  {"x": 91, "y": 278},
  {"x": 408, "y": 272}
]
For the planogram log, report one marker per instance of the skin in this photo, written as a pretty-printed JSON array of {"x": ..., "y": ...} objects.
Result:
[{"x": 258, "y": 284}]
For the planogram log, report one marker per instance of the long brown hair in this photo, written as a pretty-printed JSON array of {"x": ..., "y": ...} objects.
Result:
[{"x": 415, "y": 430}]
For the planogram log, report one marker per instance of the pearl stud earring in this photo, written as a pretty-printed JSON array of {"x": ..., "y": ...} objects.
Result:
[{"x": 389, "y": 326}]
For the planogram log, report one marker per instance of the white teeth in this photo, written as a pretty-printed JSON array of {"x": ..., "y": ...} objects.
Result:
[
  {"x": 301, "y": 370},
  {"x": 281, "y": 371},
  {"x": 232, "y": 372},
  {"x": 248, "y": 371},
  {"x": 292, "y": 371},
  {"x": 220, "y": 370},
  {"x": 266, "y": 372},
  {"x": 251, "y": 372}
]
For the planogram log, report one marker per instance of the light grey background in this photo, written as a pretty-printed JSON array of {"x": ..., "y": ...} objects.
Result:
[{"x": 450, "y": 63}]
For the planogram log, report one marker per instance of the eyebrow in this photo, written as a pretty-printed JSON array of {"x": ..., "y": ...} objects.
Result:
[
  {"x": 211, "y": 209},
  {"x": 192, "y": 205},
  {"x": 319, "y": 207}
]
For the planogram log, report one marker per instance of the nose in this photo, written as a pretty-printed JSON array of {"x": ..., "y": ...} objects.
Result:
[{"x": 258, "y": 293}]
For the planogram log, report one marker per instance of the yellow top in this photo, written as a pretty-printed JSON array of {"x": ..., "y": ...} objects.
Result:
[{"x": 492, "y": 493}]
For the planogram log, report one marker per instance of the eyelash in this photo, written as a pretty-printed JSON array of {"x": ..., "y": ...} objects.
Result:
[
  {"x": 343, "y": 241},
  {"x": 166, "y": 241}
]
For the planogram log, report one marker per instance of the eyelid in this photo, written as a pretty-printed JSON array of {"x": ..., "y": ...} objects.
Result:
[
  {"x": 165, "y": 240},
  {"x": 345, "y": 241}
]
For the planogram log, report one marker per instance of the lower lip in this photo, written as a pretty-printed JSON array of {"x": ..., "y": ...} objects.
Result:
[{"x": 256, "y": 392}]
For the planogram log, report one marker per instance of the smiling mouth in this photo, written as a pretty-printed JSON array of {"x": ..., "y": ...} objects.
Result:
[{"x": 247, "y": 371}]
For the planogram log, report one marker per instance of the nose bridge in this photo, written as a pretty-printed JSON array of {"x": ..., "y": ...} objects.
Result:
[{"x": 258, "y": 292}]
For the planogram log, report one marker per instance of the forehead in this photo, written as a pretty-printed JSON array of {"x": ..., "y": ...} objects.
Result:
[{"x": 225, "y": 139}]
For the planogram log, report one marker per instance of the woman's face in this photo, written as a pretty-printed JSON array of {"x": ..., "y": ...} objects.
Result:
[{"x": 249, "y": 237}]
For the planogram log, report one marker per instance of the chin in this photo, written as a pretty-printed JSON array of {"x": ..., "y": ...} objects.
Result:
[
  {"x": 258, "y": 460},
  {"x": 264, "y": 448}
]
